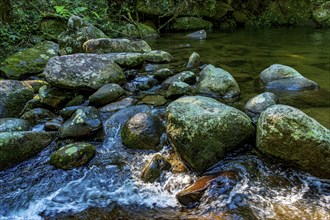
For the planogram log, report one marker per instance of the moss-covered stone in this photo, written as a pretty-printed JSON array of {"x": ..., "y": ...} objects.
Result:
[
  {"x": 194, "y": 61},
  {"x": 156, "y": 100},
  {"x": 29, "y": 61},
  {"x": 191, "y": 23},
  {"x": 158, "y": 56},
  {"x": 73, "y": 155},
  {"x": 177, "y": 89},
  {"x": 185, "y": 76},
  {"x": 14, "y": 124},
  {"x": 139, "y": 30},
  {"x": 54, "y": 97},
  {"x": 106, "y": 94},
  {"x": 289, "y": 134},
  {"x": 18, "y": 146},
  {"x": 163, "y": 74}
]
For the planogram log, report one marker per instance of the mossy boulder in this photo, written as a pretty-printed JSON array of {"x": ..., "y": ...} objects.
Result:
[
  {"x": 73, "y": 155},
  {"x": 156, "y": 100},
  {"x": 78, "y": 32},
  {"x": 106, "y": 94},
  {"x": 163, "y": 74},
  {"x": 14, "y": 124},
  {"x": 83, "y": 71},
  {"x": 202, "y": 130},
  {"x": 36, "y": 84},
  {"x": 139, "y": 30},
  {"x": 29, "y": 61},
  {"x": 14, "y": 96},
  {"x": 142, "y": 131},
  {"x": 54, "y": 97},
  {"x": 178, "y": 89},
  {"x": 287, "y": 133},
  {"x": 191, "y": 23},
  {"x": 158, "y": 56},
  {"x": 19, "y": 146}
]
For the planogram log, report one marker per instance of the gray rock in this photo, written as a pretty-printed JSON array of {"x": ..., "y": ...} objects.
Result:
[
  {"x": 83, "y": 122},
  {"x": 140, "y": 83},
  {"x": 289, "y": 134},
  {"x": 107, "y": 45},
  {"x": 283, "y": 77},
  {"x": 179, "y": 89},
  {"x": 198, "y": 35},
  {"x": 121, "y": 104},
  {"x": 83, "y": 71},
  {"x": 158, "y": 56},
  {"x": 185, "y": 76},
  {"x": 163, "y": 74},
  {"x": 106, "y": 94},
  {"x": 127, "y": 60},
  {"x": 217, "y": 83},
  {"x": 67, "y": 112},
  {"x": 14, "y": 96},
  {"x": 19, "y": 146},
  {"x": 202, "y": 130},
  {"x": 194, "y": 61},
  {"x": 29, "y": 61},
  {"x": 14, "y": 124},
  {"x": 258, "y": 104}
]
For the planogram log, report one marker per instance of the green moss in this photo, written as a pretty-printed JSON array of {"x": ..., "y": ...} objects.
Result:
[{"x": 191, "y": 23}]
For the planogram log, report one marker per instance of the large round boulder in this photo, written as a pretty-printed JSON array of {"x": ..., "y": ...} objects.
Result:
[
  {"x": 73, "y": 155},
  {"x": 83, "y": 71},
  {"x": 282, "y": 77},
  {"x": 14, "y": 96},
  {"x": 202, "y": 130},
  {"x": 289, "y": 134}
]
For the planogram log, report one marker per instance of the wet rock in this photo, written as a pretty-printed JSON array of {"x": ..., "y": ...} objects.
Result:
[
  {"x": 54, "y": 97},
  {"x": 126, "y": 60},
  {"x": 29, "y": 61},
  {"x": 121, "y": 104},
  {"x": 198, "y": 35},
  {"x": 138, "y": 30},
  {"x": 73, "y": 155},
  {"x": 156, "y": 100},
  {"x": 140, "y": 83},
  {"x": 194, "y": 192},
  {"x": 283, "y": 77},
  {"x": 185, "y": 76},
  {"x": 194, "y": 61},
  {"x": 38, "y": 116},
  {"x": 258, "y": 104},
  {"x": 14, "y": 96},
  {"x": 14, "y": 124},
  {"x": 142, "y": 131},
  {"x": 154, "y": 168},
  {"x": 191, "y": 23},
  {"x": 158, "y": 56},
  {"x": 19, "y": 146},
  {"x": 83, "y": 71},
  {"x": 83, "y": 122},
  {"x": 177, "y": 89},
  {"x": 54, "y": 124},
  {"x": 163, "y": 74},
  {"x": 106, "y": 94},
  {"x": 78, "y": 31},
  {"x": 67, "y": 112},
  {"x": 107, "y": 45},
  {"x": 36, "y": 84},
  {"x": 202, "y": 130},
  {"x": 321, "y": 14},
  {"x": 217, "y": 83},
  {"x": 289, "y": 134}
]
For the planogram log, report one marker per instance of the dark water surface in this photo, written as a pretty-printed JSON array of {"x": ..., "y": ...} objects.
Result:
[{"x": 110, "y": 188}]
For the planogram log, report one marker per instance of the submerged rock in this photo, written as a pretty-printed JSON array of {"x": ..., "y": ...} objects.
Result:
[
  {"x": 29, "y": 61},
  {"x": 107, "y": 45},
  {"x": 142, "y": 131},
  {"x": 158, "y": 56},
  {"x": 106, "y": 94},
  {"x": 217, "y": 83},
  {"x": 202, "y": 130},
  {"x": 18, "y": 146},
  {"x": 14, "y": 96},
  {"x": 198, "y": 35},
  {"x": 14, "y": 124},
  {"x": 83, "y": 71},
  {"x": 289, "y": 134},
  {"x": 283, "y": 77},
  {"x": 154, "y": 168},
  {"x": 73, "y": 155}
]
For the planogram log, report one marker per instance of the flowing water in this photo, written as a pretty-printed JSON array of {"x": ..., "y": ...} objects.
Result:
[{"x": 109, "y": 187}]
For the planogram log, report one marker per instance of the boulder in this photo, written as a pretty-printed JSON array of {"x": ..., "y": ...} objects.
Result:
[
  {"x": 287, "y": 133},
  {"x": 158, "y": 56},
  {"x": 153, "y": 169},
  {"x": 73, "y": 155},
  {"x": 185, "y": 76},
  {"x": 198, "y": 35},
  {"x": 78, "y": 31},
  {"x": 142, "y": 131},
  {"x": 83, "y": 71},
  {"x": 84, "y": 122},
  {"x": 140, "y": 83},
  {"x": 14, "y": 96},
  {"x": 321, "y": 14},
  {"x": 163, "y": 74},
  {"x": 258, "y": 104},
  {"x": 283, "y": 77},
  {"x": 194, "y": 61},
  {"x": 202, "y": 130},
  {"x": 138, "y": 30},
  {"x": 29, "y": 61},
  {"x": 126, "y": 60},
  {"x": 190, "y": 23},
  {"x": 38, "y": 116},
  {"x": 178, "y": 89},
  {"x": 217, "y": 83},
  {"x": 106, "y": 94},
  {"x": 18, "y": 146},
  {"x": 14, "y": 124},
  {"x": 107, "y": 45}
]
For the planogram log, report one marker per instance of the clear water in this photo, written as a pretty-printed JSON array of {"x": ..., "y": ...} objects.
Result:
[{"x": 110, "y": 188}]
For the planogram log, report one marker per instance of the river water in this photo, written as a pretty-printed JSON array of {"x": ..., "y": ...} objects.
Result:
[{"x": 109, "y": 187}]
